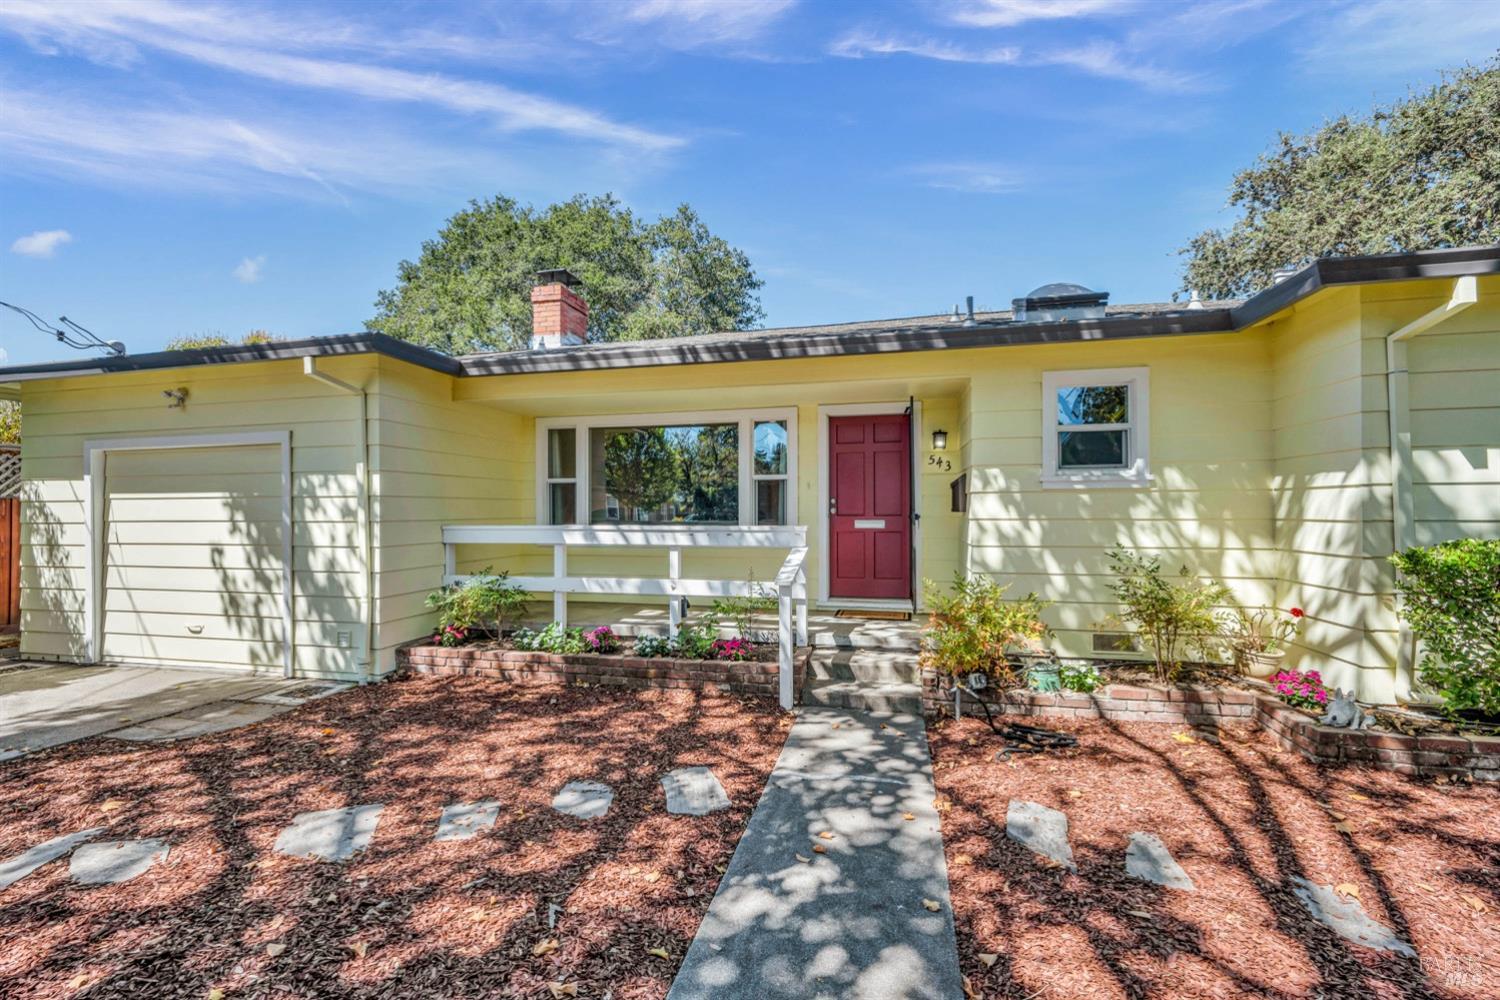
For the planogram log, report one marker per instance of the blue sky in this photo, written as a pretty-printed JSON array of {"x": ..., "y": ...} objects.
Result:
[{"x": 172, "y": 168}]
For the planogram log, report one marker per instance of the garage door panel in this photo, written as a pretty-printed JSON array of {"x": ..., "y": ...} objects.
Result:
[
  {"x": 204, "y": 652},
  {"x": 182, "y": 626},
  {"x": 267, "y": 582},
  {"x": 347, "y": 608},
  {"x": 193, "y": 557},
  {"x": 231, "y": 512}
]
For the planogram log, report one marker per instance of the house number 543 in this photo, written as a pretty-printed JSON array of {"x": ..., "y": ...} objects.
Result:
[{"x": 940, "y": 463}]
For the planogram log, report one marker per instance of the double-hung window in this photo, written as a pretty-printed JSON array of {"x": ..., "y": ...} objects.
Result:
[
  {"x": 722, "y": 468},
  {"x": 1095, "y": 427}
]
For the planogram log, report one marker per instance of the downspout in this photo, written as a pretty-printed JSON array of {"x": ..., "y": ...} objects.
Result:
[
  {"x": 1403, "y": 507},
  {"x": 362, "y": 516}
]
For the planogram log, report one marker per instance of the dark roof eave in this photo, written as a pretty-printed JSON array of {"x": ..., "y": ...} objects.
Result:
[
  {"x": 314, "y": 347},
  {"x": 926, "y": 338},
  {"x": 1317, "y": 275},
  {"x": 1363, "y": 271}
]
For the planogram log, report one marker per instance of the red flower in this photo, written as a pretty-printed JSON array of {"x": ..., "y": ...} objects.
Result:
[{"x": 1296, "y": 612}]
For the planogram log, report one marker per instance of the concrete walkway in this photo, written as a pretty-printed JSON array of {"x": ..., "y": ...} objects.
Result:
[
  {"x": 47, "y": 705},
  {"x": 868, "y": 916}
]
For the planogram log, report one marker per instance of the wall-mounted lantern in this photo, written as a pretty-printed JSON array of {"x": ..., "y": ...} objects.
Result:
[{"x": 939, "y": 440}]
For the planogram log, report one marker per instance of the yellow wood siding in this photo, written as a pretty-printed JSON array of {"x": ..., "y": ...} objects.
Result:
[
  {"x": 436, "y": 462},
  {"x": 269, "y": 396},
  {"x": 1206, "y": 507}
]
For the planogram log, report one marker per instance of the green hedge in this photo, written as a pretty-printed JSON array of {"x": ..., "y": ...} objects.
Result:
[{"x": 1451, "y": 598}]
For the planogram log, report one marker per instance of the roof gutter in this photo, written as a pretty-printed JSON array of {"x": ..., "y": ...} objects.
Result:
[
  {"x": 1403, "y": 506},
  {"x": 362, "y": 515}
]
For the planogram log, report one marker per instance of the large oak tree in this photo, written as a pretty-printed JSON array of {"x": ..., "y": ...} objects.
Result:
[
  {"x": 1419, "y": 174},
  {"x": 470, "y": 287}
]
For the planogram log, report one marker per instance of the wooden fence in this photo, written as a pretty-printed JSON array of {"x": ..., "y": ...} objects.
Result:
[{"x": 10, "y": 563}]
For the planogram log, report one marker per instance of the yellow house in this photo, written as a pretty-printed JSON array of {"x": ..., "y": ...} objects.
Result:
[{"x": 283, "y": 506}]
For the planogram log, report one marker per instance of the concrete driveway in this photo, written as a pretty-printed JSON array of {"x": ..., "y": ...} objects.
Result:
[{"x": 47, "y": 705}]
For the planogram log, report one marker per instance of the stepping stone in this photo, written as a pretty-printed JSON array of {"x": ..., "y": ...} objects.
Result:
[
  {"x": 1040, "y": 829},
  {"x": 693, "y": 791},
  {"x": 463, "y": 820},
  {"x": 330, "y": 834},
  {"x": 115, "y": 860},
  {"x": 584, "y": 799},
  {"x": 1348, "y": 919},
  {"x": 25, "y": 863},
  {"x": 1147, "y": 858}
]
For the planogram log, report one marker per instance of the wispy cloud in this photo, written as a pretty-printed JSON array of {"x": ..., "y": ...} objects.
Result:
[
  {"x": 1008, "y": 13},
  {"x": 695, "y": 23},
  {"x": 1104, "y": 59},
  {"x": 261, "y": 48},
  {"x": 970, "y": 178},
  {"x": 250, "y": 269},
  {"x": 190, "y": 149},
  {"x": 43, "y": 243},
  {"x": 859, "y": 43},
  {"x": 1398, "y": 37}
]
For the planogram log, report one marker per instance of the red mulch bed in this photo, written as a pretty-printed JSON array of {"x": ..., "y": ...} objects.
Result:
[
  {"x": 457, "y": 919},
  {"x": 1242, "y": 817}
]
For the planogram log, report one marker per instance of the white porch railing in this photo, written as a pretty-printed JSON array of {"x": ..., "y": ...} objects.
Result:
[{"x": 790, "y": 583}]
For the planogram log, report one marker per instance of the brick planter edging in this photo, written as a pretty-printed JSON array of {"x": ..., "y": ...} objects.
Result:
[
  {"x": 746, "y": 677},
  {"x": 1475, "y": 757}
]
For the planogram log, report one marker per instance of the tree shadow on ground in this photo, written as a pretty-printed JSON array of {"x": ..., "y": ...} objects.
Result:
[
  {"x": 450, "y": 919},
  {"x": 1244, "y": 819}
]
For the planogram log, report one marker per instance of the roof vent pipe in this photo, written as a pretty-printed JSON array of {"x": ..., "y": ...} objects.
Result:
[
  {"x": 1194, "y": 302},
  {"x": 969, "y": 309}
]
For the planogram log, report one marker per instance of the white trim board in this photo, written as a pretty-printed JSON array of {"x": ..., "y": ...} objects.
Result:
[
  {"x": 1137, "y": 431},
  {"x": 746, "y": 419},
  {"x": 94, "y": 453},
  {"x": 865, "y": 410}
]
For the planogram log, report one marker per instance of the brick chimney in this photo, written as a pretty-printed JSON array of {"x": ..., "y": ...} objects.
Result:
[{"x": 559, "y": 316}]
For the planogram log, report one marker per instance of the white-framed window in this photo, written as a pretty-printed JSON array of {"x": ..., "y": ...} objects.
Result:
[
  {"x": 1096, "y": 427},
  {"x": 717, "y": 467}
]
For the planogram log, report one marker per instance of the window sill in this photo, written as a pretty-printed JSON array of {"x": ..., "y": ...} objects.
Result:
[{"x": 1092, "y": 482}]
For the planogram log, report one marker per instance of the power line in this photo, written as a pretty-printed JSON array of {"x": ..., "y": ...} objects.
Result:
[{"x": 78, "y": 337}]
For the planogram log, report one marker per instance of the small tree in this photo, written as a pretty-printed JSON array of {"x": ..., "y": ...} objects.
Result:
[
  {"x": 485, "y": 602},
  {"x": 1174, "y": 617},
  {"x": 1450, "y": 595},
  {"x": 972, "y": 629}
]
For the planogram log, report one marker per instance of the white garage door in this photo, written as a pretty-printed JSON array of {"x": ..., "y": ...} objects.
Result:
[{"x": 193, "y": 566}]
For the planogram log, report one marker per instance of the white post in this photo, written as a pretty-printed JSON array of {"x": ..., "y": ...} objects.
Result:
[
  {"x": 799, "y": 594},
  {"x": 674, "y": 603},
  {"x": 450, "y": 560},
  {"x": 784, "y": 640},
  {"x": 560, "y": 596}
]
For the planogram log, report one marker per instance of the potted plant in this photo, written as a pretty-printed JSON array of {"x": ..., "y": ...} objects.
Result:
[{"x": 1258, "y": 638}]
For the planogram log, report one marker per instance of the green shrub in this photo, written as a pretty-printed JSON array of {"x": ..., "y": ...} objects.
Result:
[
  {"x": 696, "y": 642},
  {"x": 552, "y": 639},
  {"x": 485, "y": 603},
  {"x": 971, "y": 629},
  {"x": 1450, "y": 595},
  {"x": 1084, "y": 677},
  {"x": 653, "y": 646},
  {"x": 1174, "y": 617},
  {"x": 742, "y": 611}
]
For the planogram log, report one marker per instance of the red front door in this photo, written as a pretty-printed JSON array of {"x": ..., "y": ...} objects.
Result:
[{"x": 869, "y": 519}]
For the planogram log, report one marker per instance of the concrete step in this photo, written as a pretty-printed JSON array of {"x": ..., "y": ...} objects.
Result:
[
  {"x": 868, "y": 665},
  {"x": 888, "y": 696},
  {"x": 906, "y": 640}
]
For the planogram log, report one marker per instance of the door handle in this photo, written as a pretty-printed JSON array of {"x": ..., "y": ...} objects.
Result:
[{"x": 833, "y": 505}]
